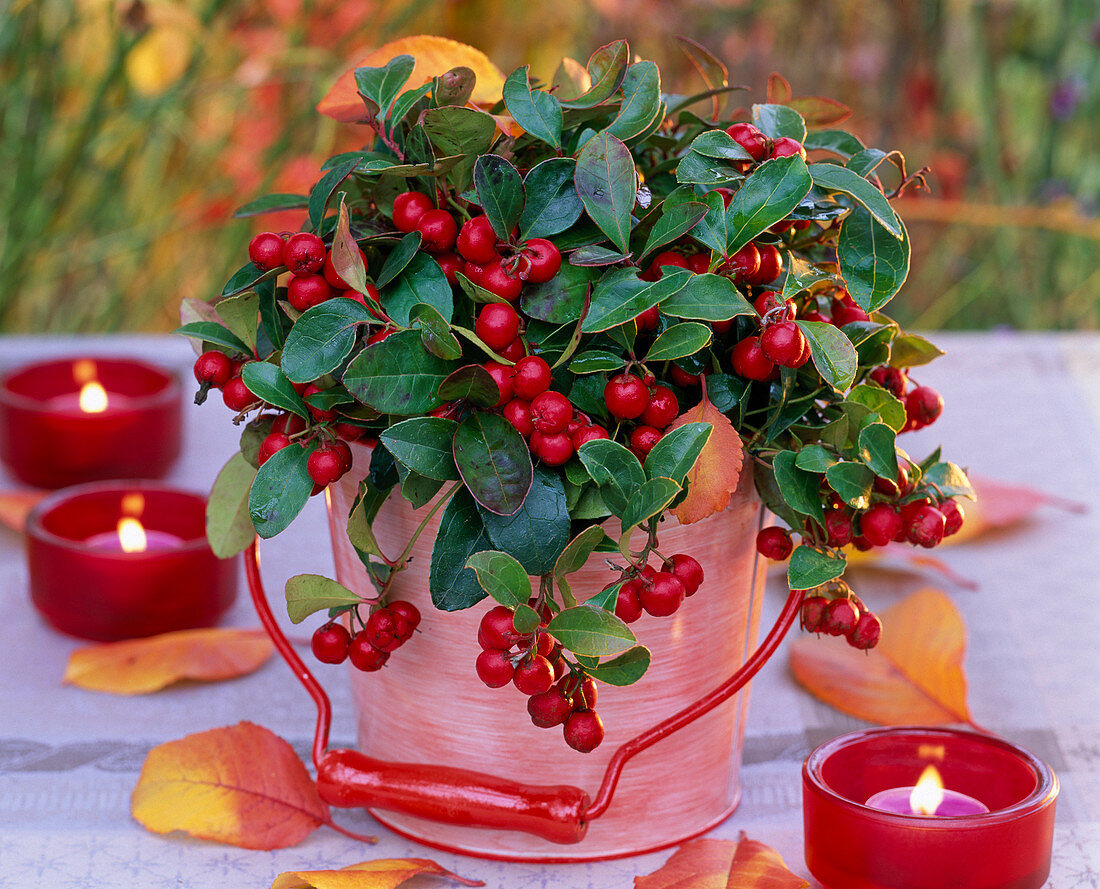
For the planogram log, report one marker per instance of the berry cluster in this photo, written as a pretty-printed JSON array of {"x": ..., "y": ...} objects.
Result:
[
  {"x": 387, "y": 629},
  {"x": 923, "y": 404},
  {"x": 534, "y": 664},
  {"x": 314, "y": 278},
  {"x": 838, "y": 612},
  {"x": 658, "y": 593}
]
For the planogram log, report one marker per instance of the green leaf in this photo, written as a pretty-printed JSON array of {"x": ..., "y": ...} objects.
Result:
[
  {"x": 641, "y": 101},
  {"x": 246, "y": 278},
  {"x": 274, "y": 321},
  {"x": 878, "y": 449},
  {"x": 773, "y": 190},
  {"x": 435, "y": 332},
  {"x": 675, "y": 454},
  {"x": 472, "y": 383},
  {"x": 525, "y": 619},
  {"x": 711, "y": 230},
  {"x": 212, "y": 332},
  {"x": 322, "y": 338},
  {"x": 873, "y": 262},
  {"x": 606, "y": 66},
  {"x": 679, "y": 340},
  {"x": 626, "y": 669},
  {"x": 553, "y": 204},
  {"x": 268, "y": 382},
  {"x": 814, "y": 458},
  {"x": 595, "y": 255},
  {"x": 455, "y": 129},
  {"x": 271, "y": 203},
  {"x": 574, "y": 556},
  {"x": 538, "y": 532},
  {"x": 424, "y": 445},
  {"x": 881, "y": 402},
  {"x": 833, "y": 354},
  {"x": 561, "y": 299},
  {"x": 779, "y": 120},
  {"x": 494, "y": 462},
  {"x": 949, "y": 480},
  {"x": 649, "y": 500},
  {"x": 800, "y": 489},
  {"x": 421, "y": 281},
  {"x": 501, "y": 576},
  {"x": 910, "y": 350},
  {"x": 538, "y": 112},
  {"x": 361, "y": 518},
  {"x": 399, "y": 257},
  {"x": 280, "y": 491},
  {"x": 615, "y": 469},
  {"x": 402, "y": 106},
  {"x": 852, "y": 481},
  {"x": 621, "y": 296},
  {"x": 322, "y": 192},
  {"x": 397, "y": 375},
  {"x": 836, "y": 141},
  {"x": 707, "y": 298},
  {"x": 241, "y": 315},
  {"x": 830, "y": 177},
  {"x": 607, "y": 184},
  {"x": 381, "y": 85},
  {"x": 801, "y": 276},
  {"x": 500, "y": 193},
  {"x": 673, "y": 223},
  {"x": 596, "y": 361},
  {"x": 307, "y": 594},
  {"x": 720, "y": 145},
  {"x": 810, "y": 567},
  {"x": 591, "y": 631},
  {"x": 461, "y": 534},
  {"x": 229, "y": 529},
  {"x": 417, "y": 489},
  {"x": 696, "y": 169}
]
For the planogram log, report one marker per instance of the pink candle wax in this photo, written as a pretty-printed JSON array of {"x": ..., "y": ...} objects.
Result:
[{"x": 897, "y": 800}]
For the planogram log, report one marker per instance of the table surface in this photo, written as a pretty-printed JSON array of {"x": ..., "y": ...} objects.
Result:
[{"x": 1022, "y": 408}]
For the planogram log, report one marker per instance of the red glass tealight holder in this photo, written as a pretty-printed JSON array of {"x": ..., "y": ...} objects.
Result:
[
  {"x": 85, "y": 419},
  {"x": 855, "y": 841},
  {"x": 119, "y": 560}
]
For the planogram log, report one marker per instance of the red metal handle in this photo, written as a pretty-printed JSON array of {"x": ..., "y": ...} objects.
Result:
[{"x": 560, "y": 813}]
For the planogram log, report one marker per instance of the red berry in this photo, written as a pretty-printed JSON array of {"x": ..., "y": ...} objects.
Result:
[
  {"x": 784, "y": 343},
  {"x": 530, "y": 377},
  {"x": 386, "y": 630},
  {"x": 365, "y": 656},
  {"x": 515, "y": 350},
  {"x": 880, "y": 524},
  {"x": 551, "y": 412},
  {"x": 553, "y": 449},
  {"x": 953, "y": 515},
  {"x": 304, "y": 254},
  {"x": 266, "y": 251},
  {"x": 320, "y": 414},
  {"x": 502, "y": 374},
  {"x": 544, "y": 260},
  {"x": 409, "y": 612},
  {"x": 237, "y": 396},
  {"x": 751, "y": 139},
  {"x": 408, "y": 208},
  {"x": 892, "y": 379},
  {"x": 273, "y": 443},
  {"x": 586, "y": 434},
  {"x": 847, "y": 314},
  {"x": 838, "y": 527},
  {"x": 699, "y": 263},
  {"x": 330, "y": 643},
  {"x": 925, "y": 526},
  {"x": 769, "y": 301},
  {"x": 349, "y": 431},
  {"x": 548, "y": 709},
  {"x": 213, "y": 368},
  {"x": 497, "y": 325},
  {"x": 749, "y": 360},
  {"x": 643, "y": 439},
  {"x": 497, "y": 629},
  {"x": 840, "y": 617},
  {"x": 923, "y": 407},
  {"x": 291, "y": 424},
  {"x": 518, "y": 413},
  {"x": 771, "y": 264},
  {"x": 785, "y": 146},
  {"x": 534, "y": 676},
  {"x": 662, "y": 595},
  {"x": 496, "y": 279},
  {"x": 583, "y": 730},
  {"x": 477, "y": 242},
  {"x": 325, "y": 465},
  {"x": 583, "y": 694},
  {"x": 681, "y": 377},
  {"x": 812, "y": 613},
  {"x": 452, "y": 264},
  {"x": 626, "y": 396},
  {"x": 774, "y": 543},
  {"x": 333, "y": 277},
  {"x": 666, "y": 258},
  {"x": 867, "y": 632},
  {"x": 628, "y": 602},
  {"x": 494, "y": 668},
  {"x": 662, "y": 409},
  {"x": 814, "y": 315},
  {"x": 439, "y": 230},
  {"x": 306, "y": 291},
  {"x": 689, "y": 572},
  {"x": 744, "y": 264}
]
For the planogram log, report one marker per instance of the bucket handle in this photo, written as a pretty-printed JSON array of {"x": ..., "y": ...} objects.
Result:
[{"x": 559, "y": 813}]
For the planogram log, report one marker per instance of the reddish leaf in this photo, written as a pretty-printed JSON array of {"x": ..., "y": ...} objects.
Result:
[
  {"x": 818, "y": 111},
  {"x": 385, "y": 873},
  {"x": 714, "y": 477},
  {"x": 779, "y": 89},
  {"x": 710, "y": 68},
  {"x": 241, "y": 785},
  {"x": 1001, "y": 505},
  {"x": 15, "y": 506},
  {"x": 140, "y": 666},
  {"x": 915, "y": 675},
  {"x": 722, "y": 864}
]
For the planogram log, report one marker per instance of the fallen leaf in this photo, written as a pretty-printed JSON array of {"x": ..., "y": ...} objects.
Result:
[
  {"x": 15, "y": 506},
  {"x": 722, "y": 864},
  {"x": 242, "y": 785},
  {"x": 714, "y": 476},
  {"x": 1001, "y": 505},
  {"x": 385, "y": 873},
  {"x": 434, "y": 56},
  {"x": 140, "y": 666},
  {"x": 914, "y": 675}
]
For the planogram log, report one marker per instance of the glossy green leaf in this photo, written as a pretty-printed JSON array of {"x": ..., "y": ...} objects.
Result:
[
  {"x": 398, "y": 375},
  {"x": 711, "y": 230},
  {"x": 720, "y": 145},
  {"x": 707, "y": 298},
  {"x": 322, "y": 338},
  {"x": 590, "y": 631},
  {"x": 472, "y": 383},
  {"x": 814, "y": 458},
  {"x": 641, "y": 101},
  {"x": 494, "y": 462},
  {"x": 574, "y": 556},
  {"x": 454, "y": 87},
  {"x": 831, "y": 177},
  {"x": 832, "y": 352},
  {"x": 241, "y": 315},
  {"x": 773, "y": 190},
  {"x": 538, "y": 112},
  {"x": 455, "y": 129},
  {"x": 323, "y": 191},
  {"x": 268, "y": 382},
  {"x": 615, "y": 469},
  {"x": 949, "y": 480},
  {"x": 525, "y": 619},
  {"x": 212, "y": 332},
  {"x": 381, "y": 85},
  {"x": 810, "y": 567},
  {"x": 247, "y": 277},
  {"x": 697, "y": 169},
  {"x": 626, "y": 669},
  {"x": 435, "y": 333},
  {"x": 561, "y": 299},
  {"x": 649, "y": 500},
  {"x": 801, "y": 276},
  {"x": 607, "y": 184},
  {"x": 271, "y": 203},
  {"x": 873, "y": 262},
  {"x": 553, "y": 204},
  {"x": 877, "y": 444},
  {"x": 595, "y": 255},
  {"x": 500, "y": 193},
  {"x": 280, "y": 491},
  {"x": 836, "y": 141},
  {"x": 910, "y": 350},
  {"x": 852, "y": 481},
  {"x": 881, "y": 402},
  {"x": 620, "y": 296},
  {"x": 596, "y": 361},
  {"x": 399, "y": 258},
  {"x": 538, "y": 531},
  {"x": 421, "y": 281},
  {"x": 307, "y": 594},
  {"x": 606, "y": 67},
  {"x": 461, "y": 533},
  {"x": 680, "y": 340},
  {"x": 800, "y": 489},
  {"x": 402, "y": 105},
  {"x": 501, "y": 576},
  {"x": 675, "y": 454},
  {"x": 424, "y": 445},
  {"x": 673, "y": 223},
  {"x": 229, "y": 528},
  {"x": 779, "y": 120}
]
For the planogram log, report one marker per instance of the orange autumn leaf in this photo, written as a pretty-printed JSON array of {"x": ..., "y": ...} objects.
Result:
[
  {"x": 434, "y": 56},
  {"x": 714, "y": 476},
  {"x": 914, "y": 675},
  {"x": 241, "y": 785},
  {"x": 140, "y": 666},
  {"x": 722, "y": 864},
  {"x": 15, "y": 506},
  {"x": 385, "y": 873}
]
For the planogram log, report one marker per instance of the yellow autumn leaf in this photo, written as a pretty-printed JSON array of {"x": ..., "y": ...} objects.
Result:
[
  {"x": 140, "y": 666},
  {"x": 385, "y": 873},
  {"x": 713, "y": 478}
]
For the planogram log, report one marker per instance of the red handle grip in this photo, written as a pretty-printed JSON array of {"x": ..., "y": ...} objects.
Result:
[{"x": 350, "y": 779}]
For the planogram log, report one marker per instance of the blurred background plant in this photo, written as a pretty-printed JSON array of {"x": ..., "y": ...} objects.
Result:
[{"x": 130, "y": 130}]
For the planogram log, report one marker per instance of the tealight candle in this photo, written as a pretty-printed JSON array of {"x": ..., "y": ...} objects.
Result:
[
  {"x": 927, "y": 797},
  {"x": 120, "y": 560},
  {"x": 83, "y": 419}
]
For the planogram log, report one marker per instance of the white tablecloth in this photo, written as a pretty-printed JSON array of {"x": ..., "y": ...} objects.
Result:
[{"x": 1021, "y": 408}]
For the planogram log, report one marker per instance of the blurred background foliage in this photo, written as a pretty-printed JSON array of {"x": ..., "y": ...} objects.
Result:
[{"x": 130, "y": 130}]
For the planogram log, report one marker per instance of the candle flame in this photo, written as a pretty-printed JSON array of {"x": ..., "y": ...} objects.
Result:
[
  {"x": 93, "y": 398},
  {"x": 928, "y": 794},
  {"x": 131, "y": 535}
]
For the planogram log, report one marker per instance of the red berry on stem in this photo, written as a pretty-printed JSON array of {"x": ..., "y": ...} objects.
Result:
[
  {"x": 626, "y": 396},
  {"x": 237, "y": 395},
  {"x": 386, "y": 630},
  {"x": 266, "y": 251},
  {"x": 320, "y": 414},
  {"x": 291, "y": 424},
  {"x": 325, "y": 465},
  {"x": 648, "y": 320},
  {"x": 681, "y": 377},
  {"x": 452, "y": 264},
  {"x": 925, "y": 526},
  {"x": 493, "y": 668},
  {"x": 530, "y": 377},
  {"x": 548, "y": 709},
  {"x": 663, "y": 595},
  {"x": 409, "y": 612},
  {"x": 699, "y": 263},
  {"x": 329, "y": 643},
  {"x": 587, "y": 433},
  {"x": 774, "y": 543},
  {"x": 518, "y": 413},
  {"x": 497, "y": 325},
  {"x": 785, "y": 146},
  {"x": 784, "y": 343},
  {"x": 923, "y": 407},
  {"x": 502, "y": 374},
  {"x": 304, "y": 254},
  {"x": 554, "y": 449},
  {"x": 867, "y": 632},
  {"x": 813, "y": 613},
  {"x": 497, "y": 629},
  {"x": 847, "y": 314},
  {"x": 840, "y": 617},
  {"x": 751, "y": 139},
  {"x": 584, "y": 695},
  {"x": 662, "y": 409},
  {"x": 213, "y": 368},
  {"x": 306, "y": 291},
  {"x": 771, "y": 264},
  {"x": 439, "y": 230},
  {"x": 953, "y": 515},
  {"x": 534, "y": 676},
  {"x": 838, "y": 527},
  {"x": 744, "y": 264},
  {"x": 273, "y": 443},
  {"x": 551, "y": 412},
  {"x": 892, "y": 379},
  {"x": 477, "y": 242},
  {"x": 688, "y": 571},
  {"x": 408, "y": 208},
  {"x": 515, "y": 350},
  {"x": 749, "y": 361},
  {"x": 628, "y": 602},
  {"x": 496, "y": 279},
  {"x": 880, "y": 524},
  {"x": 365, "y": 656},
  {"x": 583, "y": 730},
  {"x": 544, "y": 260},
  {"x": 643, "y": 439}
]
